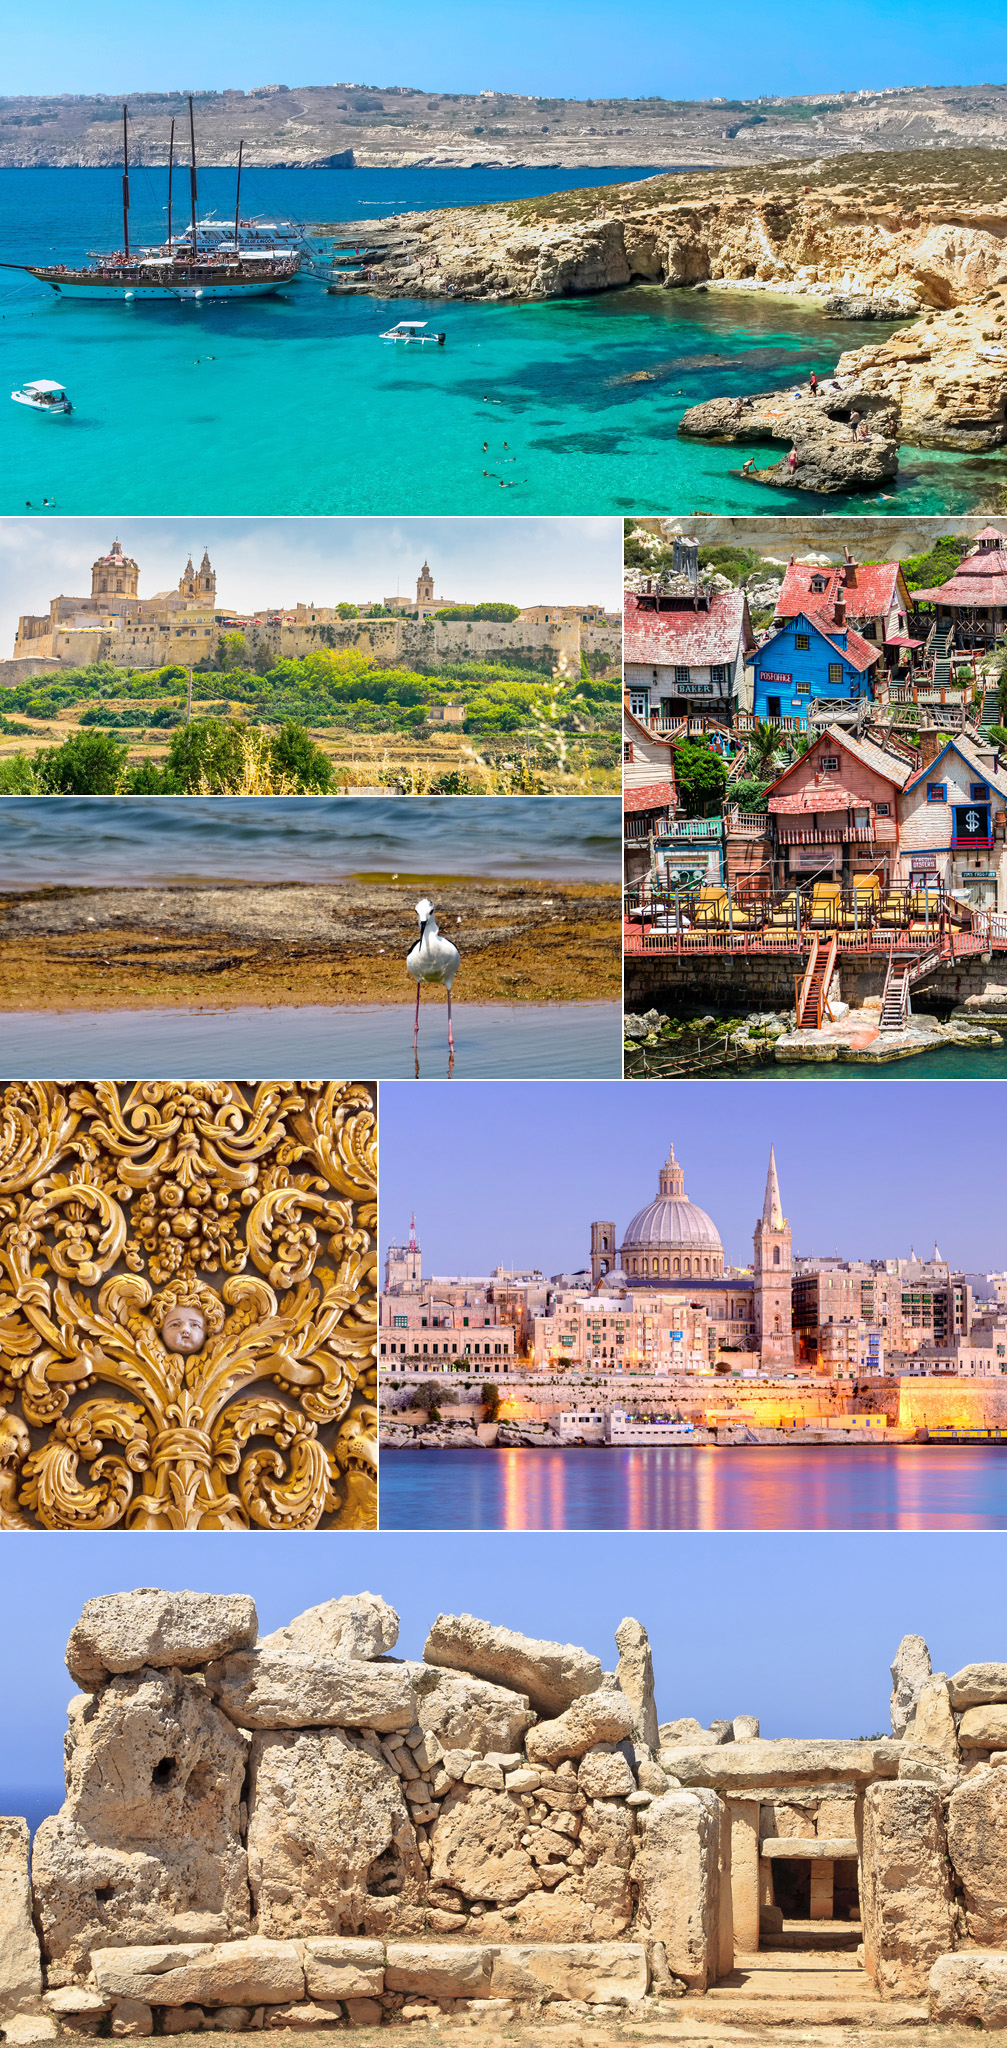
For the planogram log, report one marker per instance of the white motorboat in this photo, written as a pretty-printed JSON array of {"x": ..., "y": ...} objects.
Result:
[
  {"x": 43, "y": 396},
  {"x": 413, "y": 330}
]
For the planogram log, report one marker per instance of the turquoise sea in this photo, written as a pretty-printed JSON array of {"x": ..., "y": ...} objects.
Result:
[
  {"x": 901, "y": 1486},
  {"x": 292, "y": 404}
]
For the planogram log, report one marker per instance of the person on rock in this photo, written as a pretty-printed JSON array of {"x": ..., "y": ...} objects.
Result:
[{"x": 854, "y": 424}]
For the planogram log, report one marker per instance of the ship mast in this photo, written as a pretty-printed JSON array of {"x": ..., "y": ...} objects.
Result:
[
  {"x": 237, "y": 203},
  {"x": 192, "y": 176},
  {"x": 125, "y": 184},
  {"x": 171, "y": 166}
]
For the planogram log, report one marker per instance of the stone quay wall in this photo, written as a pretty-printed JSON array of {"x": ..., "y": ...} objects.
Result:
[
  {"x": 737, "y": 983},
  {"x": 303, "y": 1829}
]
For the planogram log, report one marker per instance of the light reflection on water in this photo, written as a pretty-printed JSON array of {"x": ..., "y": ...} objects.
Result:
[{"x": 697, "y": 1487}]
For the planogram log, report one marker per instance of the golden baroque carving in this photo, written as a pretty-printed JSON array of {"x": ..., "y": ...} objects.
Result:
[{"x": 187, "y": 1305}]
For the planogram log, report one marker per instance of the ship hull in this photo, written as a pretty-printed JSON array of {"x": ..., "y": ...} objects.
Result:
[{"x": 112, "y": 291}]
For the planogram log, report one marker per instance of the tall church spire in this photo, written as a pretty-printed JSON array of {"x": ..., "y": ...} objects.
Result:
[{"x": 772, "y": 1207}]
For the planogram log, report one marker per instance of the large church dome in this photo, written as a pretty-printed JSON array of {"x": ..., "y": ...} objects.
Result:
[{"x": 672, "y": 1236}]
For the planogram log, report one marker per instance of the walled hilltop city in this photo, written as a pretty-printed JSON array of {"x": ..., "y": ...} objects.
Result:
[
  {"x": 660, "y": 1328},
  {"x": 304, "y": 1830}
]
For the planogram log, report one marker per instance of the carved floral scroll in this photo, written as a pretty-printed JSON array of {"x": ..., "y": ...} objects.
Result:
[{"x": 187, "y": 1305}]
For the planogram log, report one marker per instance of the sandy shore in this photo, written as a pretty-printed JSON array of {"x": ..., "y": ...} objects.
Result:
[{"x": 224, "y": 943}]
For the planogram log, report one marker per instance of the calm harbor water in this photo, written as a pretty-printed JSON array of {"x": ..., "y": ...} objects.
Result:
[
  {"x": 699, "y": 1487},
  {"x": 95, "y": 842},
  {"x": 952, "y": 1063},
  {"x": 493, "y": 1042},
  {"x": 292, "y": 403}
]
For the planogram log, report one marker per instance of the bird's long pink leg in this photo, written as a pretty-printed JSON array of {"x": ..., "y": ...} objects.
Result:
[
  {"x": 450, "y": 1039},
  {"x": 416, "y": 1023}
]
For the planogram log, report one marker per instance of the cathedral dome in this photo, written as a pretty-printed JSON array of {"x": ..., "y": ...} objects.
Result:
[{"x": 674, "y": 1227}]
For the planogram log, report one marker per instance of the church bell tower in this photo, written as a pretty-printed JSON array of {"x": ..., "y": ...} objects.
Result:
[
  {"x": 774, "y": 1321},
  {"x": 602, "y": 1251},
  {"x": 425, "y": 586}
]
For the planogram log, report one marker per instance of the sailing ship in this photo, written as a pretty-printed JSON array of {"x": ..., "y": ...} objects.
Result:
[{"x": 198, "y": 266}]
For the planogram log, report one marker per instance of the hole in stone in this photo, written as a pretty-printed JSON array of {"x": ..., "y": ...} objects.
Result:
[
  {"x": 105, "y": 1892},
  {"x": 163, "y": 1772}
]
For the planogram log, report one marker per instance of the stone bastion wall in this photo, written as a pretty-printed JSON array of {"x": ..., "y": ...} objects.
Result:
[{"x": 304, "y": 1829}]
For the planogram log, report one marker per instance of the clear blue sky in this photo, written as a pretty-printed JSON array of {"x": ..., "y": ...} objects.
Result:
[
  {"x": 513, "y": 1173},
  {"x": 591, "y": 49},
  {"x": 798, "y": 1629},
  {"x": 262, "y": 562}
]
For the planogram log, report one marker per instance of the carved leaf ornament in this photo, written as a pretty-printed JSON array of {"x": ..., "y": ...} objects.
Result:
[{"x": 187, "y": 1305}]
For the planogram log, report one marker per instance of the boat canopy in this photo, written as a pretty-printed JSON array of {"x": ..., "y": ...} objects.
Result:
[
  {"x": 401, "y": 325},
  {"x": 43, "y": 384}
]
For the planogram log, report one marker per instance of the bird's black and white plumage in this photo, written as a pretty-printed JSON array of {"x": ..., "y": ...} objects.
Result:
[{"x": 433, "y": 958}]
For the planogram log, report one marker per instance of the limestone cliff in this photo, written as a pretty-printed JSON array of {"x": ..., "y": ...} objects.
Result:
[{"x": 910, "y": 230}]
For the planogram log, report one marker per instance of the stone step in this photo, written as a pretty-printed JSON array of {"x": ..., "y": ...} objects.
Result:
[
  {"x": 740, "y": 2008},
  {"x": 834, "y": 1959},
  {"x": 797, "y": 1984}
]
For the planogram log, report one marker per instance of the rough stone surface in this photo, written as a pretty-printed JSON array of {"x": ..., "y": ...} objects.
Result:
[
  {"x": 132, "y": 2018},
  {"x": 23, "y": 2029},
  {"x": 910, "y": 1671},
  {"x": 357, "y": 1625},
  {"x": 983, "y": 1728},
  {"x": 469, "y": 1713},
  {"x": 249, "y": 1972},
  {"x": 329, "y": 1834},
  {"x": 979, "y": 1685},
  {"x": 600, "y": 1717},
  {"x": 906, "y": 1896},
  {"x": 636, "y": 1679},
  {"x": 605, "y": 1774},
  {"x": 150, "y": 1830},
  {"x": 120, "y": 1632},
  {"x": 969, "y": 1991},
  {"x": 337, "y": 1967},
  {"x": 438, "y": 1970},
  {"x": 552, "y": 1674},
  {"x": 745, "y": 1728},
  {"x": 20, "y": 1956},
  {"x": 677, "y": 1873},
  {"x": 288, "y": 1689},
  {"x": 933, "y": 1728},
  {"x": 477, "y": 1848},
  {"x": 738, "y": 1767},
  {"x": 304, "y": 2013},
  {"x": 977, "y": 1845},
  {"x": 596, "y": 1973}
]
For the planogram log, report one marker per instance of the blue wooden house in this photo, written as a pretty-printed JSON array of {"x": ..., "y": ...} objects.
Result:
[{"x": 808, "y": 657}]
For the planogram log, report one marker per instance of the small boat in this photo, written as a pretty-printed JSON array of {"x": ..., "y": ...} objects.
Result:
[
  {"x": 43, "y": 396},
  {"x": 413, "y": 330}
]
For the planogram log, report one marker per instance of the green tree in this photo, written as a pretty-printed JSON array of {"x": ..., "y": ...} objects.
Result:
[
  {"x": 207, "y": 751},
  {"x": 489, "y": 1395},
  {"x": 87, "y": 764},
  {"x": 295, "y": 753},
  {"x": 700, "y": 778},
  {"x": 232, "y": 650}
]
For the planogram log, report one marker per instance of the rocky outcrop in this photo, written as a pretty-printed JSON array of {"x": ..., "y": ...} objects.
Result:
[
  {"x": 910, "y": 1672},
  {"x": 180, "y": 1631},
  {"x": 329, "y": 1832},
  {"x": 969, "y": 1991},
  {"x": 906, "y": 1893},
  {"x": 358, "y": 1625},
  {"x": 552, "y": 1674}
]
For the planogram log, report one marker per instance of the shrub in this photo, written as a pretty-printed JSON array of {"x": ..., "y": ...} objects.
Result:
[{"x": 87, "y": 764}]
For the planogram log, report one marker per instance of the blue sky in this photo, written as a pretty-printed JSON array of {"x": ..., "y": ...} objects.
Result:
[
  {"x": 513, "y": 1173},
  {"x": 798, "y": 1629},
  {"x": 586, "y": 50},
  {"x": 262, "y": 562}
]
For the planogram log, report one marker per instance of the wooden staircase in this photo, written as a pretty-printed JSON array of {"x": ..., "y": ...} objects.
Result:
[
  {"x": 895, "y": 1005},
  {"x": 812, "y": 993}
]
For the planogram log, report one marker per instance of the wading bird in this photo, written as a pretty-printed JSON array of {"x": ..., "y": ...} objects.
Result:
[{"x": 433, "y": 958}]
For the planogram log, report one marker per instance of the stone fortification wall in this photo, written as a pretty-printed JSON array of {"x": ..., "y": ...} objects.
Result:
[
  {"x": 392, "y": 643},
  {"x": 952, "y": 1403},
  {"x": 304, "y": 1829}
]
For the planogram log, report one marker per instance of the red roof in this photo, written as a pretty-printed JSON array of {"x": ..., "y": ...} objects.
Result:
[
  {"x": 868, "y": 593},
  {"x": 691, "y": 639},
  {"x": 648, "y": 796}
]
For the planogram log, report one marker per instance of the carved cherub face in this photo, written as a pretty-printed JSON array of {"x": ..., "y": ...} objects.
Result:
[{"x": 184, "y": 1329}]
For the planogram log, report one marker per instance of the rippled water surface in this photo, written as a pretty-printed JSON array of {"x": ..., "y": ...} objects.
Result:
[
  {"x": 698, "y": 1487},
  {"x": 293, "y": 404}
]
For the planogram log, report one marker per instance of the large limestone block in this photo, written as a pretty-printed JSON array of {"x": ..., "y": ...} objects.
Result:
[
  {"x": 20, "y": 1956},
  {"x": 906, "y": 1892},
  {"x": 636, "y": 1679},
  {"x": 552, "y": 1674},
  {"x": 469, "y": 1713},
  {"x": 357, "y": 1625},
  {"x": 329, "y": 1833},
  {"x": 600, "y": 1717},
  {"x": 736, "y": 1768},
  {"x": 150, "y": 1831},
  {"x": 979, "y": 1685},
  {"x": 477, "y": 1850},
  {"x": 605, "y": 1774},
  {"x": 340, "y": 1967},
  {"x": 289, "y": 1689},
  {"x": 977, "y": 1846},
  {"x": 596, "y": 1973},
  {"x": 983, "y": 1728},
  {"x": 160, "y": 1631},
  {"x": 438, "y": 1969},
  {"x": 910, "y": 1671},
  {"x": 249, "y": 1972},
  {"x": 677, "y": 1873},
  {"x": 933, "y": 1729},
  {"x": 969, "y": 1991}
]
